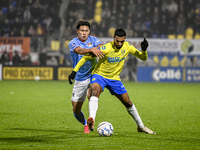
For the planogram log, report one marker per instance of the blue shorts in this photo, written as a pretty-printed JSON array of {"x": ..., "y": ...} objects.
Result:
[{"x": 114, "y": 86}]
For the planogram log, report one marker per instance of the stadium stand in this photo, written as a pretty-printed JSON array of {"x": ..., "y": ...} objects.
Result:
[{"x": 42, "y": 20}]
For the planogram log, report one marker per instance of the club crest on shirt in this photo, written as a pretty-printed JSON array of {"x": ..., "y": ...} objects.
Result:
[
  {"x": 123, "y": 51},
  {"x": 89, "y": 44}
]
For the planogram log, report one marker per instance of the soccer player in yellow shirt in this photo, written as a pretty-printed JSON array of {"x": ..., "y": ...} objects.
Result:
[{"x": 106, "y": 74}]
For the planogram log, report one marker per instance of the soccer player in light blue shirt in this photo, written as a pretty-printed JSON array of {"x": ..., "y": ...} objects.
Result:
[{"x": 80, "y": 46}]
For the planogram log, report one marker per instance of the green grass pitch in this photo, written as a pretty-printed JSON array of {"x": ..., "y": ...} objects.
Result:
[{"x": 38, "y": 115}]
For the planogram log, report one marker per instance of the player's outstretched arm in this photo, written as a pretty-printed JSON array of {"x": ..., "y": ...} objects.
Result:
[{"x": 95, "y": 51}]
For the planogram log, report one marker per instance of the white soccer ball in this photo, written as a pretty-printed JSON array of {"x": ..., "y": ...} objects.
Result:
[
  {"x": 37, "y": 78},
  {"x": 105, "y": 129}
]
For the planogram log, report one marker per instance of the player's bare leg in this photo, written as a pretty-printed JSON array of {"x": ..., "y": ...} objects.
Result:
[
  {"x": 78, "y": 114},
  {"x": 124, "y": 98}
]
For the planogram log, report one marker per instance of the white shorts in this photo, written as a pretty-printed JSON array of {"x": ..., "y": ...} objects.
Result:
[{"x": 80, "y": 90}]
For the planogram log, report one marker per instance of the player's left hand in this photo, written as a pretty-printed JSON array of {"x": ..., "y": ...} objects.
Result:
[
  {"x": 96, "y": 52},
  {"x": 71, "y": 77},
  {"x": 144, "y": 44}
]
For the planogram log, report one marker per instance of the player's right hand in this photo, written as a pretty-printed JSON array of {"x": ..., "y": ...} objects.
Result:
[
  {"x": 71, "y": 77},
  {"x": 98, "y": 53}
]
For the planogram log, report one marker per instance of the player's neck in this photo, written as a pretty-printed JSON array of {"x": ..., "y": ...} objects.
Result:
[{"x": 82, "y": 40}]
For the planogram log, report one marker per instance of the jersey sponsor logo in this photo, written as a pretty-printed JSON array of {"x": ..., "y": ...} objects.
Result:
[
  {"x": 114, "y": 59},
  {"x": 89, "y": 44},
  {"x": 72, "y": 45},
  {"x": 103, "y": 48}
]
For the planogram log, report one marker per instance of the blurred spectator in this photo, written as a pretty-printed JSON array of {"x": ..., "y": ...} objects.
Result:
[
  {"x": 106, "y": 13},
  {"x": 2, "y": 17},
  {"x": 5, "y": 59},
  {"x": 6, "y": 28},
  {"x": 36, "y": 11},
  {"x": 180, "y": 28},
  {"x": 17, "y": 24},
  {"x": 40, "y": 30},
  {"x": 23, "y": 31},
  {"x": 19, "y": 12},
  {"x": 67, "y": 33},
  {"x": 129, "y": 31},
  {"x": 43, "y": 57},
  {"x": 31, "y": 31},
  {"x": 52, "y": 61},
  {"x": 197, "y": 23},
  {"x": 37, "y": 3},
  {"x": 16, "y": 60},
  {"x": 132, "y": 68},
  {"x": 26, "y": 60},
  {"x": 103, "y": 28},
  {"x": 27, "y": 13},
  {"x": 155, "y": 27},
  {"x": 61, "y": 60},
  {"x": 47, "y": 22},
  {"x": 131, "y": 6},
  {"x": 156, "y": 14},
  {"x": 172, "y": 7},
  {"x": 163, "y": 26},
  {"x": 11, "y": 12}
]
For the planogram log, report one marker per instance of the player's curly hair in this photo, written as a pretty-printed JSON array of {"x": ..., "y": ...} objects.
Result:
[
  {"x": 82, "y": 23},
  {"x": 120, "y": 32}
]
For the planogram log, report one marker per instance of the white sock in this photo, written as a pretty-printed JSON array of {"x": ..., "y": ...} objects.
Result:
[
  {"x": 134, "y": 113},
  {"x": 93, "y": 106}
]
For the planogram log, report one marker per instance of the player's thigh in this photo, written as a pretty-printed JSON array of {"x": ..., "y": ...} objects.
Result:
[
  {"x": 80, "y": 90},
  {"x": 124, "y": 98},
  {"x": 96, "y": 89}
]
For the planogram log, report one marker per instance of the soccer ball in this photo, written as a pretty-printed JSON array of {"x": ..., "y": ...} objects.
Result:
[{"x": 105, "y": 129}]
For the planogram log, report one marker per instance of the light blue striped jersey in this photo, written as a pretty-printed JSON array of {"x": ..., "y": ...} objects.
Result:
[{"x": 86, "y": 70}]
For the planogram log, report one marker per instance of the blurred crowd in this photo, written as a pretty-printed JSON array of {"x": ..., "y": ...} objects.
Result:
[
  {"x": 29, "y": 17},
  {"x": 18, "y": 59},
  {"x": 140, "y": 18},
  {"x": 149, "y": 18}
]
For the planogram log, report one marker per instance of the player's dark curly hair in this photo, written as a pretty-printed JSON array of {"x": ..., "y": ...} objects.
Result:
[
  {"x": 120, "y": 32},
  {"x": 82, "y": 23}
]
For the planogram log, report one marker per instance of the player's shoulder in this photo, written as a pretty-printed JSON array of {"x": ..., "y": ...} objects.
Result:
[
  {"x": 73, "y": 40},
  {"x": 92, "y": 38},
  {"x": 73, "y": 43},
  {"x": 128, "y": 44}
]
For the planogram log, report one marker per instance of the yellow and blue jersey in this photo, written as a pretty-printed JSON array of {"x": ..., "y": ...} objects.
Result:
[{"x": 111, "y": 65}]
